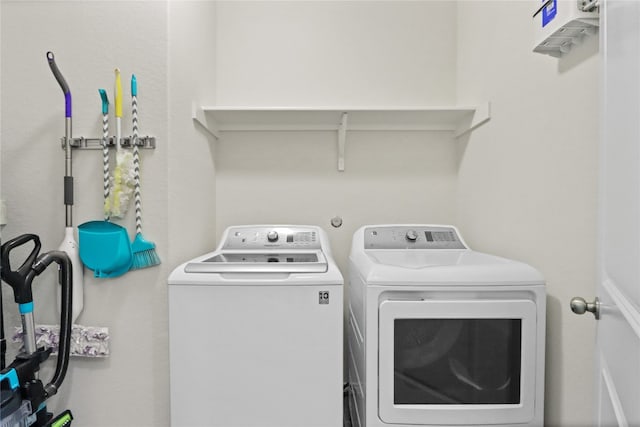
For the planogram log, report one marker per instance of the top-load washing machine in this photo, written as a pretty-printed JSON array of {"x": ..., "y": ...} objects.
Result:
[
  {"x": 441, "y": 335},
  {"x": 256, "y": 332}
]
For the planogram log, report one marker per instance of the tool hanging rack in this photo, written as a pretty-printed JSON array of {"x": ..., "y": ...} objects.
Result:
[{"x": 145, "y": 142}]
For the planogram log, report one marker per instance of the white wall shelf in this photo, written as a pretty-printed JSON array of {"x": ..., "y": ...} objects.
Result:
[{"x": 456, "y": 119}]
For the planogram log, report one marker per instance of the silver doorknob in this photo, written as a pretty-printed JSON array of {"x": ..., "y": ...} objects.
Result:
[{"x": 580, "y": 306}]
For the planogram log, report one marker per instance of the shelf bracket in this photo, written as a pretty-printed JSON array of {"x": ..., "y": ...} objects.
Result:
[
  {"x": 479, "y": 117},
  {"x": 199, "y": 116},
  {"x": 342, "y": 139}
]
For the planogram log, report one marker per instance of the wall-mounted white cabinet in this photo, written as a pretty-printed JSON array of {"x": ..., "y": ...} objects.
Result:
[{"x": 456, "y": 119}]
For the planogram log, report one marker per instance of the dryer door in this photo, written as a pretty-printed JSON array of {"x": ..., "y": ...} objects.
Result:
[{"x": 454, "y": 361}]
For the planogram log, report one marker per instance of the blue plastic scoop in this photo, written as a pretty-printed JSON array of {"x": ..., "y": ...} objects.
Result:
[{"x": 105, "y": 248}]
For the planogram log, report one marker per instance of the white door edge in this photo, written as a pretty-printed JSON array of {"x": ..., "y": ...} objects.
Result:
[
  {"x": 630, "y": 312},
  {"x": 612, "y": 392}
]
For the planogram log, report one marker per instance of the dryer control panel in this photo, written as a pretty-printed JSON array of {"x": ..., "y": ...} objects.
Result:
[
  {"x": 412, "y": 237},
  {"x": 271, "y": 237}
]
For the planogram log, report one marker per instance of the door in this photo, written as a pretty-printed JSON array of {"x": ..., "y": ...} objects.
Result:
[
  {"x": 618, "y": 289},
  {"x": 448, "y": 361}
]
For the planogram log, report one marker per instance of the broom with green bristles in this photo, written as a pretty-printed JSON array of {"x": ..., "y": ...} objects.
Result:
[{"x": 144, "y": 252}]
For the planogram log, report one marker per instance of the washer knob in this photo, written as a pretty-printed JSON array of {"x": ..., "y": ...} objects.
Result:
[
  {"x": 411, "y": 235},
  {"x": 272, "y": 236}
]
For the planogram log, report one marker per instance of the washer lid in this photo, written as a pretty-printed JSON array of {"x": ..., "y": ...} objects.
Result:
[{"x": 260, "y": 262}]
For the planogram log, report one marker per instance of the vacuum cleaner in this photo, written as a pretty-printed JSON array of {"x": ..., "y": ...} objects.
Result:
[{"x": 23, "y": 394}]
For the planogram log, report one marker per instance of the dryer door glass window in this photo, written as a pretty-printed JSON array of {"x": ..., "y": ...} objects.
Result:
[
  {"x": 448, "y": 361},
  {"x": 457, "y": 361}
]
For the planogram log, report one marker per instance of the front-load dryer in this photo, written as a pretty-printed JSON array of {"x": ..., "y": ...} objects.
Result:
[
  {"x": 441, "y": 335},
  {"x": 256, "y": 332}
]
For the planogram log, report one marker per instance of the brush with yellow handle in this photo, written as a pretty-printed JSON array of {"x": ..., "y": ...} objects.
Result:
[{"x": 123, "y": 175}]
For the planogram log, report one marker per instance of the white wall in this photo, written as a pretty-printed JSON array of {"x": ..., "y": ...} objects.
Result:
[
  {"x": 528, "y": 178},
  {"x": 191, "y": 184},
  {"x": 89, "y": 39},
  {"x": 333, "y": 54},
  {"x": 169, "y": 46}
]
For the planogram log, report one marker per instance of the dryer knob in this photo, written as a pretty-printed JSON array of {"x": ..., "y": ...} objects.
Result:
[
  {"x": 411, "y": 235},
  {"x": 272, "y": 236}
]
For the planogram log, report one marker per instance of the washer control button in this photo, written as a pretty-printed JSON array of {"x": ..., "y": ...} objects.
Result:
[
  {"x": 272, "y": 236},
  {"x": 411, "y": 235}
]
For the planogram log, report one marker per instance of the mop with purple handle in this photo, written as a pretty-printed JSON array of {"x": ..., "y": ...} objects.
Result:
[
  {"x": 69, "y": 244},
  {"x": 144, "y": 252}
]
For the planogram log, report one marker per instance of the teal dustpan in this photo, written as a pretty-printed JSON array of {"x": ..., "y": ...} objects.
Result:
[{"x": 105, "y": 248}]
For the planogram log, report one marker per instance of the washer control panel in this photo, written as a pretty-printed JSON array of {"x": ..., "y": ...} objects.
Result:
[
  {"x": 272, "y": 237},
  {"x": 412, "y": 237}
]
